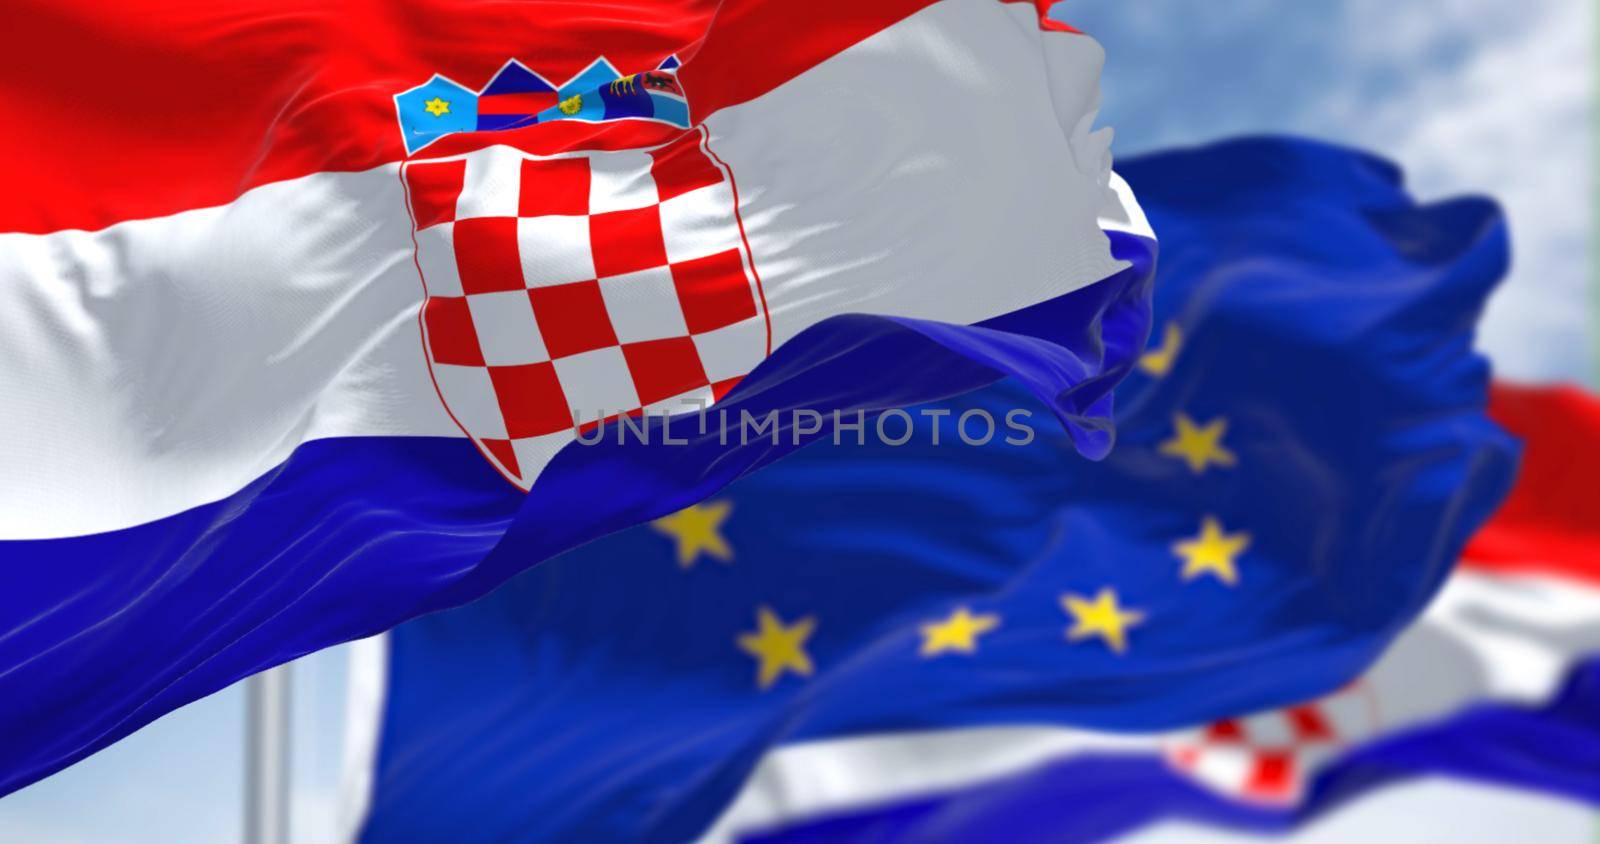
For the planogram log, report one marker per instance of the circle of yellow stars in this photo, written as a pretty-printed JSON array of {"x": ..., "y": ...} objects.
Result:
[{"x": 779, "y": 647}]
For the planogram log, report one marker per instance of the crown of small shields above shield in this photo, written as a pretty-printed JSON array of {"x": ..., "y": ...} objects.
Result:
[{"x": 518, "y": 97}]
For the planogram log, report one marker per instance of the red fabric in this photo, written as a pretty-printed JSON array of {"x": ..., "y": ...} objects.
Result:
[
  {"x": 680, "y": 167},
  {"x": 713, "y": 291},
  {"x": 486, "y": 255},
  {"x": 1551, "y": 522},
  {"x": 516, "y": 103},
  {"x": 502, "y": 451},
  {"x": 449, "y": 324},
  {"x": 1309, "y": 724},
  {"x": 627, "y": 241},
  {"x": 531, "y": 401},
  {"x": 144, "y": 108},
  {"x": 572, "y": 319},
  {"x": 149, "y": 107},
  {"x": 662, "y": 369},
  {"x": 1045, "y": 21},
  {"x": 433, "y": 190},
  {"x": 555, "y": 186}
]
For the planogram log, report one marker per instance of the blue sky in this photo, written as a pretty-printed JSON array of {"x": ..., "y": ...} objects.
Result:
[{"x": 1469, "y": 95}]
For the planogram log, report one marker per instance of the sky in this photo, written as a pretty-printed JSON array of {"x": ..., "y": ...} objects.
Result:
[{"x": 1469, "y": 96}]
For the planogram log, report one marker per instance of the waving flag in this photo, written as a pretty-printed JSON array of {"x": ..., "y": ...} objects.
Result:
[
  {"x": 1301, "y": 458},
  {"x": 1498, "y": 683},
  {"x": 317, "y": 318}
]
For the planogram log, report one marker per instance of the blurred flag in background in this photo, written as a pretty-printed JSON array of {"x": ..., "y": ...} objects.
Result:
[
  {"x": 1301, "y": 458},
  {"x": 1497, "y": 684}
]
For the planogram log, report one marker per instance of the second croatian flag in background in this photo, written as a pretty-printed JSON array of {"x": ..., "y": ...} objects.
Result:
[{"x": 344, "y": 337}]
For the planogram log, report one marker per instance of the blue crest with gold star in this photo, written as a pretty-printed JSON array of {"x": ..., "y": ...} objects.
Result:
[
  {"x": 517, "y": 96},
  {"x": 1301, "y": 456}
]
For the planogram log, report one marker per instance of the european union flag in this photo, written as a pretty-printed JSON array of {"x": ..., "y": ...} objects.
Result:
[{"x": 1300, "y": 459}]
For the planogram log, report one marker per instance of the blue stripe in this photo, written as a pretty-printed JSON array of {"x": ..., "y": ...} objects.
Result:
[
  {"x": 495, "y": 122},
  {"x": 633, "y": 102}
]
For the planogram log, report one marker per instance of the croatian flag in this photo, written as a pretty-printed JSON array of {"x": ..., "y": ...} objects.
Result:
[{"x": 319, "y": 318}]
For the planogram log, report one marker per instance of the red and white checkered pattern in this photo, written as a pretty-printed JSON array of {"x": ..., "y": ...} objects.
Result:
[
  {"x": 573, "y": 288},
  {"x": 1272, "y": 757}
]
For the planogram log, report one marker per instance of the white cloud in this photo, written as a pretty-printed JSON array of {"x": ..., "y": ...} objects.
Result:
[{"x": 1478, "y": 96}]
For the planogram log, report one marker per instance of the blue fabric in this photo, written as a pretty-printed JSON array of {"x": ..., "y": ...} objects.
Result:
[
  {"x": 1096, "y": 797},
  {"x": 101, "y": 634},
  {"x": 516, "y": 79},
  {"x": 1326, "y": 318},
  {"x": 420, "y": 127}
]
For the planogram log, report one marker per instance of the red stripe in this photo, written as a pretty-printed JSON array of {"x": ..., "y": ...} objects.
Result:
[
  {"x": 1551, "y": 522},
  {"x": 516, "y": 103},
  {"x": 149, "y": 107},
  {"x": 723, "y": 69}
]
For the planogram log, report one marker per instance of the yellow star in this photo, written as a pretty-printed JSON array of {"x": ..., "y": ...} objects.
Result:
[
  {"x": 958, "y": 633},
  {"x": 777, "y": 647},
  {"x": 437, "y": 107},
  {"x": 698, "y": 529},
  {"x": 1199, "y": 445},
  {"x": 1158, "y": 361},
  {"x": 1102, "y": 617},
  {"x": 1212, "y": 552}
]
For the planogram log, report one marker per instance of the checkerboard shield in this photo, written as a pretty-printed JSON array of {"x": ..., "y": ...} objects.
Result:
[
  {"x": 1271, "y": 758},
  {"x": 562, "y": 290}
]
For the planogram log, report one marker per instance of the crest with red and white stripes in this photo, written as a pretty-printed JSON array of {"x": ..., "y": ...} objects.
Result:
[
  {"x": 1272, "y": 757},
  {"x": 564, "y": 290}
]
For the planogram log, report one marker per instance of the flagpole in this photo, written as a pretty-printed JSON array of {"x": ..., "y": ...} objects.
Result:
[{"x": 266, "y": 775}]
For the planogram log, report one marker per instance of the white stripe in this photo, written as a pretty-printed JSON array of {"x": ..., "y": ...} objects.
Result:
[
  {"x": 970, "y": 193},
  {"x": 1508, "y": 638},
  {"x": 821, "y": 777},
  {"x": 161, "y": 364},
  {"x": 941, "y": 169},
  {"x": 1486, "y": 638}
]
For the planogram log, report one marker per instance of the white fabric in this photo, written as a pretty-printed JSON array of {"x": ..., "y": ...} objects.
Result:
[{"x": 942, "y": 169}]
